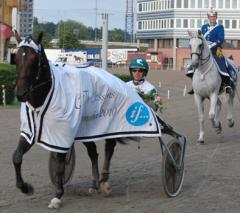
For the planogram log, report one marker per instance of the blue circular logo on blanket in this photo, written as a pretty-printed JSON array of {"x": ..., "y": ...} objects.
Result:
[{"x": 137, "y": 114}]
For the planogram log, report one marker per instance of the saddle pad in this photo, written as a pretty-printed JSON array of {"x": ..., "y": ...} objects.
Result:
[{"x": 86, "y": 104}]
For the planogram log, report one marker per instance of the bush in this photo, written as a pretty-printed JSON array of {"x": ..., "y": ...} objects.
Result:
[
  {"x": 124, "y": 77},
  {"x": 7, "y": 78}
]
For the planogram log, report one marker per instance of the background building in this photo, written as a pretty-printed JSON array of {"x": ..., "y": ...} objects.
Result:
[
  {"x": 24, "y": 19},
  {"x": 164, "y": 24}
]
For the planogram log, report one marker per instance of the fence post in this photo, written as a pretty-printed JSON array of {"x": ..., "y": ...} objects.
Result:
[
  {"x": 3, "y": 95},
  {"x": 168, "y": 94},
  {"x": 185, "y": 90}
]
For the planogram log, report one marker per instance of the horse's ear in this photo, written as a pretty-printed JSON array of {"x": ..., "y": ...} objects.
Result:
[
  {"x": 190, "y": 33},
  {"x": 17, "y": 36},
  {"x": 40, "y": 36},
  {"x": 199, "y": 32}
]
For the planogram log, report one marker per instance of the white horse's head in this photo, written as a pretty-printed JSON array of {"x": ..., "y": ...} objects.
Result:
[{"x": 198, "y": 48}]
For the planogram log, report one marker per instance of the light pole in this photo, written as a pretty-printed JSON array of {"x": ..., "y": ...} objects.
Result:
[{"x": 96, "y": 9}]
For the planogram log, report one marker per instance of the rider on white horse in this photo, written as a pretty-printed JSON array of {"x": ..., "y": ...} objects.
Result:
[{"x": 214, "y": 34}]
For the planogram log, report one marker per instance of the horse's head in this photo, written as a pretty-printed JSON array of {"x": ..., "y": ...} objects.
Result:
[
  {"x": 29, "y": 59},
  {"x": 196, "y": 45}
]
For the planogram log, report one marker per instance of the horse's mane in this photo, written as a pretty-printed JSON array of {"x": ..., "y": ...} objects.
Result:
[{"x": 197, "y": 34}]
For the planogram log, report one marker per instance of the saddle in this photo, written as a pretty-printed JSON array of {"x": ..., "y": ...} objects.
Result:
[{"x": 226, "y": 68}]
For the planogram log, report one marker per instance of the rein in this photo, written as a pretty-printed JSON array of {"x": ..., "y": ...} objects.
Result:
[
  {"x": 202, "y": 75},
  {"x": 203, "y": 60},
  {"x": 32, "y": 89},
  {"x": 38, "y": 49}
]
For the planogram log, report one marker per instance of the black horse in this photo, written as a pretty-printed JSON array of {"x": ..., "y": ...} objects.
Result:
[{"x": 33, "y": 83}]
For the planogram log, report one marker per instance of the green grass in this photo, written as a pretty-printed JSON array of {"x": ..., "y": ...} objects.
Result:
[{"x": 7, "y": 67}]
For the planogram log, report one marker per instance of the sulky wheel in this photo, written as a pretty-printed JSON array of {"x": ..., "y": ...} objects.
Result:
[
  {"x": 172, "y": 177},
  {"x": 69, "y": 166}
]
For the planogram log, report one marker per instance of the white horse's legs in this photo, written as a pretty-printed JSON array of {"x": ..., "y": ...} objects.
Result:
[
  {"x": 230, "y": 119},
  {"x": 200, "y": 107},
  {"x": 215, "y": 107}
]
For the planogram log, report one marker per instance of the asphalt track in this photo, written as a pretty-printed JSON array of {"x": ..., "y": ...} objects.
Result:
[{"x": 212, "y": 171}]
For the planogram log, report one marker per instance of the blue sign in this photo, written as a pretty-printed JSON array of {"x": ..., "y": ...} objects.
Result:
[{"x": 137, "y": 114}]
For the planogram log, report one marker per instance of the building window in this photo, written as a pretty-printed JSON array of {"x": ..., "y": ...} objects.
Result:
[
  {"x": 227, "y": 24},
  {"x": 227, "y": 4},
  {"x": 172, "y": 3},
  {"x": 199, "y": 23},
  {"x": 199, "y": 3},
  {"x": 185, "y": 4},
  {"x": 228, "y": 43},
  {"x": 164, "y": 24},
  {"x": 214, "y": 5},
  {"x": 185, "y": 23},
  {"x": 220, "y": 21},
  {"x": 140, "y": 7},
  {"x": 206, "y": 3},
  {"x": 179, "y": 3},
  {"x": 192, "y": 23},
  {"x": 183, "y": 43},
  {"x": 139, "y": 25},
  {"x": 144, "y": 7},
  {"x": 220, "y": 4},
  {"x": 172, "y": 23},
  {"x": 234, "y": 24},
  {"x": 192, "y": 3},
  {"x": 235, "y": 44},
  {"x": 234, "y": 4},
  {"x": 178, "y": 23}
]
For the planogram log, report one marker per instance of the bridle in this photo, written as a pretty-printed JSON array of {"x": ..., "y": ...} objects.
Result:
[
  {"x": 199, "y": 54},
  {"x": 28, "y": 42}
]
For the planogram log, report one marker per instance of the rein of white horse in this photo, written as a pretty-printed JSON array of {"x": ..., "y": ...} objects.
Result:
[{"x": 202, "y": 75}]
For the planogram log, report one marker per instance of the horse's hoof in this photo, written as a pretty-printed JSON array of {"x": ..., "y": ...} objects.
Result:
[
  {"x": 201, "y": 142},
  {"x": 105, "y": 188},
  {"x": 27, "y": 189},
  {"x": 92, "y": 191},
  {"x": 231, "y": 123},
  {"x": 55, "y": 203}
]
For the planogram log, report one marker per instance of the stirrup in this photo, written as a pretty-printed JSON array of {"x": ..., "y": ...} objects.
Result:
[{"x": 228, "y": 89}]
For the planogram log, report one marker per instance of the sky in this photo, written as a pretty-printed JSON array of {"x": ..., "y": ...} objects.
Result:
[{"x": 83, "y": 11}]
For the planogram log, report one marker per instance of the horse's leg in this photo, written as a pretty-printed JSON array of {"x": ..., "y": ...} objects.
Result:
[
  {"x": 230, "y": 98},
  {"x": 22, "y": 148},
  {"x": 215, "y": 108},
  {"x": 92, "y": 153},
  {"x": 200, "y": 106},
  {"x": 109, "y": 150},
  {"x": 56, "y": 201},
  {"x": 217, "y": 116}
]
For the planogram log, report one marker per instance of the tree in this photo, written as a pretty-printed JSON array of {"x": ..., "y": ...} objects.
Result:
[
  {"x": 116, "y": 35},
  {"x": 47, "y": 28}
]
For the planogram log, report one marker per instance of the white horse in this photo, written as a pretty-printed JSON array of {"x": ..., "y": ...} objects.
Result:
[{"x": 207, "y": 83}]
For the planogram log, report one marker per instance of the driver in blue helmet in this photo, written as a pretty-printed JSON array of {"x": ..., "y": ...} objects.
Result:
[{"x": 214, "y": 34}]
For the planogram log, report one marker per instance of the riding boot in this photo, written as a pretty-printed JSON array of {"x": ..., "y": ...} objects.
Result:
[{"x": 191, "y": 92}]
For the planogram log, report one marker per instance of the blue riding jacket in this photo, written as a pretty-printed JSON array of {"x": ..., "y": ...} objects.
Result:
[{"x": 214, "y": 34}]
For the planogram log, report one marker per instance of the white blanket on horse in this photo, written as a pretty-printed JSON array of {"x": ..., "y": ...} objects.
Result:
[{"x": 86, "y": 104}]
